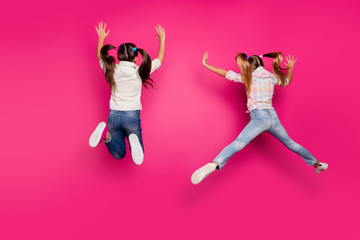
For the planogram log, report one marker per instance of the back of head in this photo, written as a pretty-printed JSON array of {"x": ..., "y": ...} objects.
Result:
[{"x": 126, "y": 52}]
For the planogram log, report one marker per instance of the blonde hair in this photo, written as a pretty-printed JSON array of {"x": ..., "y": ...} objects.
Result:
[
  {"x": 277, "y": 69},
  {"x": 248, "y": 64}
]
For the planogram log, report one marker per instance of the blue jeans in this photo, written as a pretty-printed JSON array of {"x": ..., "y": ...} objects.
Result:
[
  {"x": 263, "y": 120},
  {"x": 121, "y": 124}
]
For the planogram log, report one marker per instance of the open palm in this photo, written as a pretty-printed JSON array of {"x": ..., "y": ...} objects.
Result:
[
  {"x": 101, "y": 30},
  {"x": 290, "y": 61}
]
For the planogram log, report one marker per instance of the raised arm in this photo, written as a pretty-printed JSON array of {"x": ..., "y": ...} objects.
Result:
[
  {"x": 101, "y": 31},
  {"x": 161, "y": 36},
  {"x": 290, "y": 65},
  {"x": 220, "y": 71}
]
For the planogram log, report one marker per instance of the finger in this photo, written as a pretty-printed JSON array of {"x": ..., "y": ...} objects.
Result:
[
  {"x": 295, "y": 60},
  {"x": 105, "y": 27},
  {"x": 162, "y": 31},
  {"x": 96, "y": 29},
  {"x": 101, "y": 25},
  {"x": 286, "y": 59},
  {"x": 107, "y": 33}
]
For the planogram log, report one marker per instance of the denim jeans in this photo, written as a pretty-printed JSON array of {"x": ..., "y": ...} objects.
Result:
[
  {"x": 263, "y": 120},
  {"x": 121, "y": 124}
]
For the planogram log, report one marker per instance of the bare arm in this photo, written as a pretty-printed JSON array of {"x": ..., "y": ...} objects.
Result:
[
  {"x": 101, "y": 31},
  {"x": 290, "y": 62},
  {"x": 161, "y": 36},
  {"x": 220, "y": 71}
]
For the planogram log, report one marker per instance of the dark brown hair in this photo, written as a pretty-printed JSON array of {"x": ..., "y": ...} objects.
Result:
[{"x": 126, "y": 53}]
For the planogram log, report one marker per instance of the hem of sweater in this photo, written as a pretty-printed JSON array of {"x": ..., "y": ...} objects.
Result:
[
  {"x": 126, "y": 109},
  {"x": 268, "y": 108}
]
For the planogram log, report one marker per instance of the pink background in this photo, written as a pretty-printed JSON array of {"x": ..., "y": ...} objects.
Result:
[{"x": 53, "y": 94}]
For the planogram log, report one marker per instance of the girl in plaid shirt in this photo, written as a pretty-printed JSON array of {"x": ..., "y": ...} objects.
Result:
[{"x": 259, "y": 85}]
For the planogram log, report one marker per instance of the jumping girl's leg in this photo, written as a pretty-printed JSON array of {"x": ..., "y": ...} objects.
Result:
[
  {"x": 252, "y": 129},
  {"x": 116, "y": 142},
  {"x": 279, "y": 132},
  {"x": 259, "y": 123},
  {"x": 132, "y": 126}
]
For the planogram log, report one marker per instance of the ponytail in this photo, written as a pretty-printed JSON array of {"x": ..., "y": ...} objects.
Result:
[
  {"x": 109, "y": 62},
  {"x": 145, "y": 68},
  {"x": 278, "y": 70},
  {"x": 246, "y": 70}
]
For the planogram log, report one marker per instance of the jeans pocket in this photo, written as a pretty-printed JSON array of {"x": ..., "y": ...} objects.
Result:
[
  {"x": 132, "y": 123},
  {"x": 253, "y": 114},
  {"x": 111, "y": 122}
]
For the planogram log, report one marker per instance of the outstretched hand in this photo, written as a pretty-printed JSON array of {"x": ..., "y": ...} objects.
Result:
[
  {"x": 160, "y": 33},
  {"x": 101, "y": 31},
  {"x": 290, "y": 61},
  {"x": 205, "y": 58}
]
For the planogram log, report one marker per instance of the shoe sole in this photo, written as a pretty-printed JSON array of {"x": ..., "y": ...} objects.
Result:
[
  {"x": 136, "y": 149},
  {"x": 96, "y": 135},
  {"x": 199, "y": 175}
]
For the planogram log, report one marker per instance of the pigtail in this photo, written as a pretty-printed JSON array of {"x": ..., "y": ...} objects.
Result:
[
  {"x": 246, "y": 71},
  {"x": 278, "y": 70},
  {"x": 109, "y": 63},
  {"x": 145, "y": 68}
]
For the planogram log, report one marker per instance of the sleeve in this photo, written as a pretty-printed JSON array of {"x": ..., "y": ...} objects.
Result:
[
  {"x": 155, "y": 64},
  {"x": 233, "y": 76},
  {"x": 102, "y": 64},
  {"x": 287, "y": 82},
  {"x": 277, "y": 82}
]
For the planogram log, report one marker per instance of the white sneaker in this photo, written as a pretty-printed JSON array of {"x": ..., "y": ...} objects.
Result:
[
  {"x": 137, "y": 152},
  {"x": 96, "y": 135},
  {"x": 321, "y": 167},
  {"x": 203, "y": 172}
]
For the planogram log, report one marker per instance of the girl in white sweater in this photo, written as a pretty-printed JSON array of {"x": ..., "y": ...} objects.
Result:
[{"x": 125, "y": 80}]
